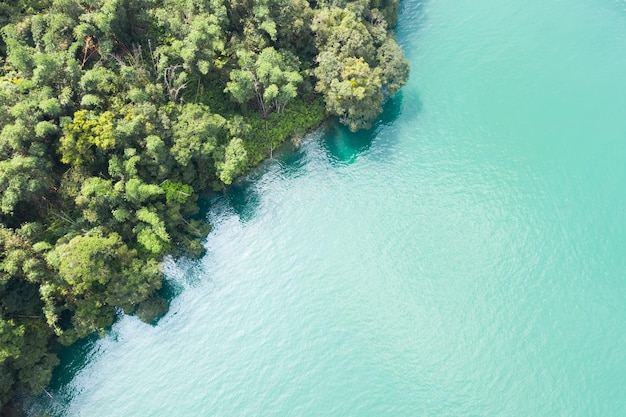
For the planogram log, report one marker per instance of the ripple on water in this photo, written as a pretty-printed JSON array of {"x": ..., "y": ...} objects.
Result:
[{"x": 464, "y": 258}]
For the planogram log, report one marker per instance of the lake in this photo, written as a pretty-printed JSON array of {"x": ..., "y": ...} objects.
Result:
[{"x": 465, "y": 257}]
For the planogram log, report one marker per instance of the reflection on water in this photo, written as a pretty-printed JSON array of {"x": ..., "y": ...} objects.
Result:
[
  {"x": 383, "y": 277},
  {"x": 242, "y": 199},
  {"x": 170, "y": 290},
  {"x": 242, "y": 196},
  {"x": 73, "y": 359},
  {"x": 343, "y": 146}
]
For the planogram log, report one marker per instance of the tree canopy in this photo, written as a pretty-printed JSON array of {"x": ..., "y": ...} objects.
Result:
[{"x": 116, "y": 114}]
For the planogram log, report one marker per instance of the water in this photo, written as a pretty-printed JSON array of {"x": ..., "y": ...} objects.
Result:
[{"x": 464, "y": 258}]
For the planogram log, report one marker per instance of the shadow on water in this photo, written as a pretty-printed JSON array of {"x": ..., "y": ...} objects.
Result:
[
  {"x": 57, "y": 395},
  {"x": 170, "y": 290},
  {"x": 243, "y": 199},
  {"x": 72, "y": 359},
  {"x": 243, "y": 196},
  {"x": 343, "y": 146}
]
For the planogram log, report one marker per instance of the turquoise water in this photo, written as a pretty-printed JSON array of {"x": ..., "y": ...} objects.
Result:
[{"x": 464, "y": 258}]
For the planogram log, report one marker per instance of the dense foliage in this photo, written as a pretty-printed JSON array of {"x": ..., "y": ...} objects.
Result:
[{"x": 114, "y": 114}]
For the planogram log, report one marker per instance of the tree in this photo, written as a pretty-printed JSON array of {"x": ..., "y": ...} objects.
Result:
[
  {"x": 22, "y": 179},
  {"x": 278, "y": 76},
  {"x": 293, "y": 25},
  {"x": 344, "y": 33},
  {"x": 97, "y": 198},
  {"x": 355, "y": 96},
  {"x": 192, "y": 37},
  {"x": 86, "y": 133},
  {"x": 272, "y": 77},
  {"x": 151, "y": 232},
  {"x": 97, "y": 84},
  {"x": 109, "y": 129},
  {"x": 235, "y": 160},
  {"x": 12, "y": 10},
  {"x": 97, "y": 272},
  {"x": 197, "y": 135},
  {"x": 395, "y": 67},
  {"x": 389, "y": 10},
  {"x": 243, "y": 85},
  {"x": 25, "y": 358}
]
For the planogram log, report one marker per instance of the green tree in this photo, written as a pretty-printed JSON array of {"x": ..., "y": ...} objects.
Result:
[
  {"x": 278, "y": 77},
  {"x": 395, "y": 67},
  {"x": 293, "y": 20},
  {"x": 235, "y": 161},
  {"x": 356, "y": 95},
  {"x": 272, "y": 77},
  {"x": 344, "y": 33},
  {"x": 25, "y": 357},
  {"x": 197, "y": 135},
  {"x": 151, "y": 232},
  {"x": 97, "y": 272},
  {"x": 22, "y": 179},
  {"x": 86, "y": 133},
  {"x": 192, "y": 40}
]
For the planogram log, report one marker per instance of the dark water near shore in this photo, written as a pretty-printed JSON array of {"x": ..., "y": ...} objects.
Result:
[{"x": 464, "y": 258}]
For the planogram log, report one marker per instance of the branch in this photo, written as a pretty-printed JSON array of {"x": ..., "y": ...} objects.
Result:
[{"x": 67, "y": 219}]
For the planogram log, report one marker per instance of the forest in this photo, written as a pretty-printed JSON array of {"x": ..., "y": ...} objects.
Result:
[{"x": 115, "y": 115}]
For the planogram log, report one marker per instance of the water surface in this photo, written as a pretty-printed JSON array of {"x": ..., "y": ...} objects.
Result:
[{"x": 463, "y": 258}]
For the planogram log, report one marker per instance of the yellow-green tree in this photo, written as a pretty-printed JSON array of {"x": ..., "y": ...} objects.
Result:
[{"x": 84, "y": 135}]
